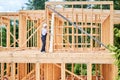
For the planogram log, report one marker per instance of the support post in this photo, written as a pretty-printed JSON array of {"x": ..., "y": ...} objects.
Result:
[
  {"x": 13, "y": 71},
  {"x": 2, "y": 71},
  {"x": 89, "y": 71},
  {"x": 111, "y": 24},
  {"x": 52, "y": 33},
  {"x": 37, "y": 71},
  {"x": 63, "y": 71},
  {"x": 8, "y": 34}
]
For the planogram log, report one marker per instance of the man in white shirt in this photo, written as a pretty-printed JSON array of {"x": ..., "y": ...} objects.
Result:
[{"x": 43, "y": 37}]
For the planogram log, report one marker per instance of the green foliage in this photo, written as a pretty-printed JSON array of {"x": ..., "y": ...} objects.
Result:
[
  {"x": 117, "y": 58},
  {"x": 3, "y": 36},
  {"x": 80, "y": 69},
  {"x": 117, "y": 4},
  {"x": 36, "y": 4},
  {"x": 39, "y": 4},
  {"x": 75, "y": 0},
  {"x": 30, "y": 5},
  {"x": 116, "y": 48},
  {"x": 117, "y": 35}
]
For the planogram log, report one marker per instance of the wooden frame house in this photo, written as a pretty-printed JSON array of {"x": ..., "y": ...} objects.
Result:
[{"x": 78, "y": 33}]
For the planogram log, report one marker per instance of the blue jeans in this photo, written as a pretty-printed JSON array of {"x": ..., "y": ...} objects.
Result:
[{"x": 43, "y": 38}]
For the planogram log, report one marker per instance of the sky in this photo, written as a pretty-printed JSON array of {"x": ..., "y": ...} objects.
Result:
[
  {"x": 11, "y": 5},
  {"x": 15, "y": 5}
]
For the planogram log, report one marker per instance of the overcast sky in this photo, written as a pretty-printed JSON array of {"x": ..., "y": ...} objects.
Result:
[
  {"x": 15, "y": 5},
  {"x": 11, "y": 5}
]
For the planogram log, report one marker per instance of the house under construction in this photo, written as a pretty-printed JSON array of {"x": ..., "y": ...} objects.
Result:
[{"x": 78, "y": 33}]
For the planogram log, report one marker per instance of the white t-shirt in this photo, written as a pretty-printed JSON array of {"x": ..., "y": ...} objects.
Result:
[{"x": 44, "y": 31}]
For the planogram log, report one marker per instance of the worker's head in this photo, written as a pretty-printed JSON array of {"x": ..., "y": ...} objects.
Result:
[{"x": 44, "y": 25}]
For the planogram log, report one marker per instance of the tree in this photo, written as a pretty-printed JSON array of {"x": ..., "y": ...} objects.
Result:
[
  {"x": 35, "y": 4},
  {"x": 39, "y": 4},
  {"x": 75, "y": 0},
  {"x": 30, "y": 5}
]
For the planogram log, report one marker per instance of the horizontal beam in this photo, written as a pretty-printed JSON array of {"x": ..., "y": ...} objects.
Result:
[
  {"x": 116, "y": 19},
  {"x": 32, "y": 11},
  {"x": 33, "y": 56},
  {"x": 78, "y": 2},
  {"x": 8, "y": 13}
]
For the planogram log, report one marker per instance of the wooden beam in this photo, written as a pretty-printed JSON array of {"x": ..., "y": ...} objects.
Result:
[
  {"x": 89, "y": 71},
  {"x": 52, "y": 33},
  {"x": 30, "y": 56},
  {"x": 2, "y": 70},
  {"x": 63, "y": 71},
  {"x": 8, "y": 13},
  {"x": 8, "y": 34},
  {"x": 111, "y": 24},
  {"x": 78, "y": 2},
  {"x": 37, "y": 71},
  {"x": 22, "y": 31},
  {"x": 14, "y": 32},
  {"x": 13, "y": 71}
]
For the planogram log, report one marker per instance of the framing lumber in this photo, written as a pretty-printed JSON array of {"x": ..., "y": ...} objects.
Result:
[
  {"x": 8, "y": 34},
  {"x": 37, "y": 71},
  {"x": 63, "y": 71},
  {"x": 25, "y": 56},
  {"x": 52, "y": 34},
  {"x": 13, "y": 71},
  {"x": 78, "y": 2},
  {"x": 67, "y": 46},
  {"x": 9, "y": 14},
  {"x": 89, "y": 71}
]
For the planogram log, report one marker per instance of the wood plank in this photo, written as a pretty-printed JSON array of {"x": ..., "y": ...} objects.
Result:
[
  {"x": 30, "y": 56},
  {"x": 13, "y": 71},
  {"x": 111, "y": 24},
  {"x": 52, "y": 34},
  {"x": 2, "y": 70},
  {"x": 78, "y": 2},
  {"x": 63, "y": 71},
  {"x": 89, "y": 71},
  {"x": 8, "y": 34},
  {"x": 37, "y": 71},
  {"x": 8, "y": 13}
]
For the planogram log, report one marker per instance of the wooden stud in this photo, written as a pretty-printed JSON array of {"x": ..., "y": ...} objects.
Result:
[
  {"x": 37, "y": 71},
  {"x": 72, "y": 69},
  {"x": 77, "y": 46},
  {"x": 2, "y": 70},
  {"x": 73, "y": 28},
  {"x": 14, "y": 32},
  {"x": 47, "y": 21},
  {"x": 111, "y": 24},
  {"x": 91, "y": 40},
  {"x": 52, "y": 34},
  {"x": 89, "y": 71},
  {"x": 13, "y": 71},
  {"x": 22, "y": 32},
  {"x": 38, "y": 35},
  {"x": 63, "y": 71},
  {"x": 101, "y": 73},
  {"x": 8, "y": 35},
  {"x": 8, "y": 69}
]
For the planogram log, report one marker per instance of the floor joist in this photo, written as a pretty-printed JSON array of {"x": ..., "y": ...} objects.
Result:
[{"x": 33, "y": 56}]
